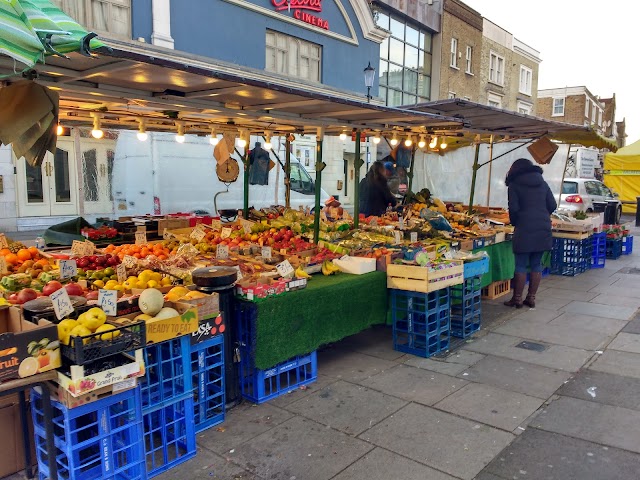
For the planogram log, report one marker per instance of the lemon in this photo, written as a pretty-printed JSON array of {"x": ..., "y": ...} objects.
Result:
[
  {"x": 111, "y": 284},
  {"x": 166, "y": 281},
  {"x": 156, "y": 276},
  {"x": 153, "y": 284},
  {"x": 98, "y": 283},
  {"x": 145, "y": 276},
  {"x": 141, "y": 285},
  {"x": 107, "y": 328}
]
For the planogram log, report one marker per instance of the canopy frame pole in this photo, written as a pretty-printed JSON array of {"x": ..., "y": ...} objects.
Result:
[
  {"x": 357, "y": 164},
  {"x": 320, "y": 165},
  {"x": 245, "y": 161},
  {"x": 490, "y": 171},
  {"x": 564, "y": 173},
  {"x": 476, "y": 166},
  {"x": 509, "y": 151},
  {"x": 413, "y": 161},
  {"x": 287, "y": 172}
]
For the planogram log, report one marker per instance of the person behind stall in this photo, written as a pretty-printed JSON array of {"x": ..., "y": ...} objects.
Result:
[
  {"x": 333, "y": 209},
  {"x": 375, "y": 195},
  {"x": 530, "y": 205}
]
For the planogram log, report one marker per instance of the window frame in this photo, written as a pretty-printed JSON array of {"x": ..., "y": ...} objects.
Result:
[
  {"x": 469, "y": 60},
  {"x": 453, "y": 58},
  {"x": 451, "y": 95},
  {"x": 498, "y": 78},
  {"x": 520, "y": 105},
  {"x": 528, "y": 80},
  {"x": 553, "y": 106},
  {"x": 493, "y": 97},
  {"x": 303, "y": 51}
]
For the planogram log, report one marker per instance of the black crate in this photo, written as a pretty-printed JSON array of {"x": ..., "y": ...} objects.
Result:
[{"x": 35, "y": 317}]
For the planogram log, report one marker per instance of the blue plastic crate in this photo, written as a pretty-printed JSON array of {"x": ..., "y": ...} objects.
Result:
[
  {"x": 167, "y": 371},
  {"x": 627, "y": 245},
  {"x": 570, "y": 257},
  {"x": 169, "y": 435},
  {"x": 421, "y": 322},
  {"x": 207, "y": 368},
  {"x": 466, "y": 307},
  {"x": 259, "y": 386},
  {"x": 614, "y": 248},
  {"x": 477, "y": 267},
  {"x": 599, "y": 250},
  {"x": 101, "y": 440}
]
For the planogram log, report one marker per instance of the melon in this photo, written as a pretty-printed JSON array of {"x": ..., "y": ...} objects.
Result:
[
  {"x": 151, "y": 301},
  {"x": 166, "y": 313}
]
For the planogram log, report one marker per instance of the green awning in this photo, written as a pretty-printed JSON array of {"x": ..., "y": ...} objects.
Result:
[{"x": 30, "y": 30}]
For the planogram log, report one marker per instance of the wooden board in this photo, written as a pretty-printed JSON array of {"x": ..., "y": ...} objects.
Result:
[{"x": 420, "y": 279}]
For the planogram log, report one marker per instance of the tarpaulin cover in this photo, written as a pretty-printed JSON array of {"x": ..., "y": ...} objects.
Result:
[{"x": 622, "y": 174}]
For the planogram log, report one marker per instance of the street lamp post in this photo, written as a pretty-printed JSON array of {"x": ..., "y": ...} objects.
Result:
[{"x": 369, "y": 75}]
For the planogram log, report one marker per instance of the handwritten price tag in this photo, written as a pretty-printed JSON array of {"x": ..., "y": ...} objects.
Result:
[
  {"x": 198, "y": 233},
  {"x": 3, "y": 241},
  {"x": 226, "y": 232},
  {"x": 121, "y": 271},
  {"x": 129, "y": 262},
  {"x": 239, "y": 273},
  {"x": 216, "y": 224},
  {"x": 396, "y": 237},
  {"x": 401, "y": 222},
  {"x": 414, "y": 237},
  {"x": 62, "y": 305},
  {"x": 247, "y": 225},
  {"x": 141, "y": 238},
  {"x": 266, "y": 253},
  {"x": 166, "y": 235},
  {"x": 107, "y": 300},
  {"x": 77, "y": 248},
  {"x": 141, "y": 228},
  {"x": 222, "y": 251},
  {"x": 3, "y": 265},
  {"x": 285, "y": 269},
  {"x": 68, "y": 268},
  {"x": 89, "y": 247}
]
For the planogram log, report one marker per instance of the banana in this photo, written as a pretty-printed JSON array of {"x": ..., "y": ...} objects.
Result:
[
  {"x": 325, "y": 269},
  {"x": 300, "y": 273},
  {"x": 329, "y": 268}
]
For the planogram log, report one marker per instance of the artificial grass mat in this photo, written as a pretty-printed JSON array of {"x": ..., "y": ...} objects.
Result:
[
  {"x": 502, "y": 262},
  {"x": 327, "y": 310}
]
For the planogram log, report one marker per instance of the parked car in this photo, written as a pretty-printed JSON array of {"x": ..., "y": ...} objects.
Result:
[{"x": 587, "y": 195}]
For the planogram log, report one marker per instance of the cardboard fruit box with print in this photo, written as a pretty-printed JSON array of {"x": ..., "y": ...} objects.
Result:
[{"x": 26, "y": 348}]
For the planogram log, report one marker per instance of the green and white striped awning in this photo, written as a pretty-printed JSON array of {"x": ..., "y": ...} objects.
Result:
[{"x": 30, "y": 30}]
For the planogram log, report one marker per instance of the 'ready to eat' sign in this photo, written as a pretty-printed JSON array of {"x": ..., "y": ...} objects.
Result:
[{"x": 301, "y": 9}]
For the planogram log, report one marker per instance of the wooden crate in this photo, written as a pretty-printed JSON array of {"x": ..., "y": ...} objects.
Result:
[
  {"x": 571, "y": 235},
  {"x": 496, "y": 290},
  {"x": 420, "y": 279}
]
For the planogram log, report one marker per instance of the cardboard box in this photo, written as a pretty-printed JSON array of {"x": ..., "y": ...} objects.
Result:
[
  {"x": 78, "y": 382},
  {"x": 68, "y": 400},
  {"x": 12, "y": 451},
  {"x": 356, "y": 265},
  {"x": 172, "y": 224},
  {"x": 26, "y": 348},
  {"x": 169, "y": 328}
]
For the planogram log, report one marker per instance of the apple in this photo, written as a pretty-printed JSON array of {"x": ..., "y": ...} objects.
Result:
[
  {"x": 93, "y": 259},
  {"x": 73, "y": 289},
  {"x": 112, "y": 261},
  {"x": 52, "y": 286},
  {"x": 26, "y": 295},
  {"x": 82, "y": 262},
  {"x": 13, "y": 298},
  {"x": 101, "y": 260},
  {"x": 93, "y": 318}
]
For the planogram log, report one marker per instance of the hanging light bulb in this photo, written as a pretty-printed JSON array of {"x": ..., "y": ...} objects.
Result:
[
  {"x": 180, "y": 136},
  {"x": 59, "y": 130},
  {"x": 241, "y": 141},
  {"x": 393, "y": 141},
  {"x": 213, "y": 139},
  {"x": 376, "y": 139},
  {"x": 421, "y": 143},
  {"x": 267, "y": 143},
  {"x": 142, "y": 130},
  {"x": 97, "y": 130},
  {"x": 408, "y": 142},
  {"x": 434, "y": 142},
  {"x": 443, "y": 145},
  {"x": 343, "y": 135}
]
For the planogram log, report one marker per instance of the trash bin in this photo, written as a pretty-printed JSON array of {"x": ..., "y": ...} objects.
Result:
[{"x": 610, "y": 212}]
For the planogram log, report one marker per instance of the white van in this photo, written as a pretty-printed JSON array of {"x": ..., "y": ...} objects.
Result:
[{"x": 162, "y": 176}]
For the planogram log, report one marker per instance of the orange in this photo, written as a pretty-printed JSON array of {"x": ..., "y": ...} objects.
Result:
[
  {"x": 5, "y": 251},
  {"x": 12, "y": 258},
  {"x": 34, "y": 252},
  {"x": 23, "y": 254}
]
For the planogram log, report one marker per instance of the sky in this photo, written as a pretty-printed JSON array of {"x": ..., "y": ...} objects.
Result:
[{"x": 581, "y": 42}]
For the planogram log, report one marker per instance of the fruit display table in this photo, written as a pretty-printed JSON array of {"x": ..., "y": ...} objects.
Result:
[{"x": 327, "y": 310}]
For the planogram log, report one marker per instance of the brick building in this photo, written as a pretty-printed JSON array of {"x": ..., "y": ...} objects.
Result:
[
  {"x": 461, "y": 49},
  {"x": 576, "y": 105}
]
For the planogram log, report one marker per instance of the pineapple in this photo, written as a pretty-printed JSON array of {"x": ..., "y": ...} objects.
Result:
[{"x": 16, "y": 246}]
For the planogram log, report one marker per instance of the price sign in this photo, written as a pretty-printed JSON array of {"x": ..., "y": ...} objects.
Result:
[
  {"x": 216, "y": 224},
  {"x": 448, "y": 255},
  {"x": 77, "y": 248},
  {"x": 89, "y": 247},
  {"x": 68, "y": 268},
  {"x": 141, "y": 238},
  {"x": 198, "y": 233},
  {"x": 3, "y": 265},
  {"x": 166, "y": 235},
  {"x": 121, "y": 271},
  {"x": 141, "y": 228},
  {"x": 129, "y": 262},
  {"x": 107, "y": 299},
  {"x": 222, "y": 251},
  {"x": 414, "y": 237},
  {"x": 239, "y": 273},
  {"x": 266, "y": 253},
  {"x": 247, "y": 225},
  {"x": 285, "y": 269},
  {"x": 397, "y": 237},
  {"x": 62, "y": 305},
  {"x": 401, "y": 222},
  {"x": 3, "y": 241},
  {"x": 226, "y": 232}
]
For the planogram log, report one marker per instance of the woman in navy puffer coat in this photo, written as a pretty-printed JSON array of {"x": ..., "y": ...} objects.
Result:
[{"x": 530, "y": 205}]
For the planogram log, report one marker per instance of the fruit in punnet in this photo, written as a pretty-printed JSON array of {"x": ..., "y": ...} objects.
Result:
[
  {"x": 166, "y": 313},
  {"x": 80, "y": 331},
  {"x": 64, "y": 330},
  {"x": 51, "y": 287},
  {"x": 111, "y": 329},
  {"x": 151, "y": 301},
  {"x": 26, "y": 295},
  {"x": 93, "y": 318}
]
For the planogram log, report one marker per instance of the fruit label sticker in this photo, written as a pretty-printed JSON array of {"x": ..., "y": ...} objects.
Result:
[
  {"x": 226, "y": 232},
  {"x": 414, "y": 237},
  {"x": 247, "y": 225},
  {"x": 124, "y": 385},
  {"x": 222, "y": 251},
  {"x": 216, "y": 224},
  {"x": 3, "y": 241},
  {"x": 198, "y": 233},
  {"x": 129, "y": 262},
  {"x": 77, "y": 248},
  {"x": 61, "y": 303},
  {"x": 396, "y": 237},
  {"x": 285, "y": 269},
  {"x": 89, "y": 247},
  {"x": 68, "y": 268},
  {"x": 107, "y": 300},
  {"x": 121, "y": 271},
  {"x": 266, "y": 253},
  {"x": 3, "y": 265},
  {"x": 141, "y": 238}
]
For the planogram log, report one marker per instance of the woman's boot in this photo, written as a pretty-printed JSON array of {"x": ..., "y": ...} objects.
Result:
[
  {"x": 534, "y": 283},
  {"x": 519, "y": 279}
]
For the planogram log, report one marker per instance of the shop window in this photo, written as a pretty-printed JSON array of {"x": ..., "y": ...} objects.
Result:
[
  {"x": 293, "y": 56},
  {"x": 526, "y": 74},
  {"x": 454, "y": 53},
  {"x": 469, "y": 60},
  {"x": 558, "y": 107},
  {"x": 110, "y": 17},
  {"x": 496, "y": 68}
]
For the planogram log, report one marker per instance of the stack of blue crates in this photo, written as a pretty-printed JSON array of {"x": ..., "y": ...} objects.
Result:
[
  {"x": 421, "y": 322},
  {"x": 168, "y": 405},
  {"x": 466, "y": 307},
  {"x": 598, "y": 250},
  {"x": 101, "y": 440},
  {"x": 207, "y": 369},
  {"x": 614, "y": 248},
  {"x": 627, "y": 245},
  {"x": 570, "y": 257},
  {"x": 259, "y": 385}
]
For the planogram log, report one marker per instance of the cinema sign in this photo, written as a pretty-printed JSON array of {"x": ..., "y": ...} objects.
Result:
[{"x": 301, "y": 9}]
